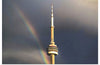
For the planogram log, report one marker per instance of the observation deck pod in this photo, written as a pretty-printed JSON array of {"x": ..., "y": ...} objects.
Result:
[{"x": 52, "y": 49}]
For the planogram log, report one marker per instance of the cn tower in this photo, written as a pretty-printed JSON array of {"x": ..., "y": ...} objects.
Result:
[{"x": 52, "y": 49}]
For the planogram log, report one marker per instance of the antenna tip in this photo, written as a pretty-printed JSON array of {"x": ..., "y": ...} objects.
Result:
[{"x": 52, "y": 5}]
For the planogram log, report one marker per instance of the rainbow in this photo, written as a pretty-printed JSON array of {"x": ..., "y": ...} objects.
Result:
[{"x": 32, "y": 30}]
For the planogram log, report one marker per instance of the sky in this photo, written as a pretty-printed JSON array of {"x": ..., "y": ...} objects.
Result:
[{"x": 26, "y": 31}]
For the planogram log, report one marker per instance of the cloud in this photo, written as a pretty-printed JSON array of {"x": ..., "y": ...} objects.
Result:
[
  {"x": 78, "y": 14},
  {"x": 17, "y": 50},
  {"x": 31, "y": 57},
  {"x": 84, "y": 13}
]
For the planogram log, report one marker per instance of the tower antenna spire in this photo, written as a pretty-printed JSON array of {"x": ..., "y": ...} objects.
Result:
[
  {"x": 52, "y": 49},
  {"x": 52, "y": 25}
]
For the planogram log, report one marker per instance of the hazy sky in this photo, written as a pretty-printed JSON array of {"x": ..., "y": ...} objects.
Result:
[{"x": 26, "y": 29}]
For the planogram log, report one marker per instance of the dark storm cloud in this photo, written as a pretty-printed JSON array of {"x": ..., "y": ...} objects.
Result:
[
  {"x": 71, "y": 19},
  {"x": 78, "y": 14}
]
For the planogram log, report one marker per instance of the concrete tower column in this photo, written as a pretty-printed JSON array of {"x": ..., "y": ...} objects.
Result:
[{"x": 52, "y": 50}]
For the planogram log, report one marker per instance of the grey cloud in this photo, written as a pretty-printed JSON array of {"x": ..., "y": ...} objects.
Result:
[{"x": 22, "y": 56}]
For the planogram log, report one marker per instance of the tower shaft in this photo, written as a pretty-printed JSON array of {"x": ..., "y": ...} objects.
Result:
[
  {"x": 52, "y": 49},
  {"x": 52, "y": 35},
  {"x": 52, "y": 59}
]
